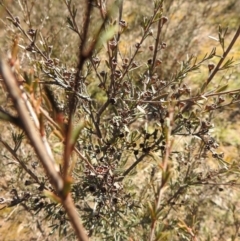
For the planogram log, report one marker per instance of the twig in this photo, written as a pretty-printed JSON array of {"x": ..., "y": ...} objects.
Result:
[
  {"x": 160, "y": 25},
  {"x": 84, "y": 53},
  {"x": 217, "y": 68},
  {"x": 17, "y": 24},
  {"x": 132, "y": 166},
  {"x": 20, "y": 162},
  {"x": 73, "y": 17},
  {"x": 193, "y": 98}
]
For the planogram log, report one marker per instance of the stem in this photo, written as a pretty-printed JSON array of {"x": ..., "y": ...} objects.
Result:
[
  {"x": 73, "y": 19},
  {"x": 165, "y": 170},
  {"x": 84, "y": 53},
  {"x": 194, "y": 98},
  {"x": 160, "y": 24},
  {"x": 31, "y": 174},
  {"x": 133, "y": 165},
  {"x": 28, "y": 125},
  {"x": 72, "y": 213}
]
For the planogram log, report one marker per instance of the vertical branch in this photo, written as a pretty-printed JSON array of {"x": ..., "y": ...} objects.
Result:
[
  {"x": 161, "y": 22},
  {"x": 68, "y": 147},
  {"x": 85, "y": 52},
  {"x": 82, "y": 56},
  {"x": 68, "y": 204},
  {"x": 169, "y": 125},
  {"x": 120, "y": 2},
  {"x": 165, "y": 169}
]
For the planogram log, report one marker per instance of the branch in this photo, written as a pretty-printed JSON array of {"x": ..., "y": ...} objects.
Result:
[
  {"x": 31, "y": 174},
  {"x": 161, "y": 22},
  {"x": 38, "y": 145},
  {"x": 165, "y": 171},
  {"x": 28, "y": 125},
  {"x": 221, "y": 60}
]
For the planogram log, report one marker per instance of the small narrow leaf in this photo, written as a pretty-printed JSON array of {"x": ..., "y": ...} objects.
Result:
[
  {"x": 222, "y": 88},
  {"x": 211, "y": 37},
  {"x": 70, "y": 23},
  {"x": 52, "y": 196}
]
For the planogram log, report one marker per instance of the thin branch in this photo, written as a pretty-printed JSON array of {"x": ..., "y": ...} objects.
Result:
[
  {"x": 4, "y": 115},
  {"x": 16, "y": 23},
  {"x": 120, "y": 5},
  {"x": 84, "y": 53},
  {"x": 20, "y": 161},
  {"x": 73, "y": 17},
  {"x": 160, "y": 25},
  {"x": 69, "y": 206},
  {"x": 132, "y": 166},
  {"x": 213, "y": 73},
  {"x": 193, "y": 98},
  {"x": 165, "y": 170}
]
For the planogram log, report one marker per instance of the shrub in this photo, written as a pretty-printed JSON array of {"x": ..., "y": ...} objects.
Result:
[{"x": 118, "y": 135}]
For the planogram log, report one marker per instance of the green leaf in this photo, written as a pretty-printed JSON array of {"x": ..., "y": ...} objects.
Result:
[
  {"x": 222, "y": 88},
  {"x": 161, "y": 96},
  {"x": 228, "y": 64},
  {"x": 74, "y": 11},
  {"x": 70, "y": 23},
  {"x": 135, "y": 135},
  {"x": 151, "y": 211}
]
